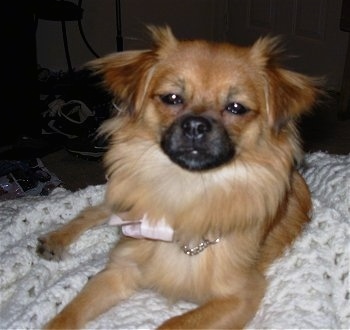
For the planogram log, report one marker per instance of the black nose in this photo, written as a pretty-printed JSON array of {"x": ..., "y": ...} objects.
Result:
[{"x": 195, "y": 127}]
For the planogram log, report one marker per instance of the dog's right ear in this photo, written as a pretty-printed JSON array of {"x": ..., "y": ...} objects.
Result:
[{"x": 127, "y": 74}]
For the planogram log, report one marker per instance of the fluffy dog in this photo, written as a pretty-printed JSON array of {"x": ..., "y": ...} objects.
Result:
[{"x": 202, "y": 178}]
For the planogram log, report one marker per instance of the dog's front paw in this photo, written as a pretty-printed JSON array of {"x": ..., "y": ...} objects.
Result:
[
  {"x": 62, "y": 322},
  {"x": 177, "y": 322},
  {"x": 51, "y": 246}
]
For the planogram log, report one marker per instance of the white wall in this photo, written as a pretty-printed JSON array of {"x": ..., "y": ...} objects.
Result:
[
  {"x": 188, "y": 18},
  {"x": 210, "y": 19},
  {"x": 99, "y": 26}
]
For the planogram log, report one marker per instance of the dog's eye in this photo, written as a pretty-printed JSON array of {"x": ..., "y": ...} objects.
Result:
[
  {"x": 171, "y": 99},
  {"x": 236, "y": 108}
]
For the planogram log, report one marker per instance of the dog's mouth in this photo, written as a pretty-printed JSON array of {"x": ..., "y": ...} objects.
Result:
[{"x": 197, "y": 143}]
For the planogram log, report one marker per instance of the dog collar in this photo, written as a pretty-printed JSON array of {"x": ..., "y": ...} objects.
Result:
[
  {"x": 161, "y": 231},
  {"x": 199, "y": 248}
]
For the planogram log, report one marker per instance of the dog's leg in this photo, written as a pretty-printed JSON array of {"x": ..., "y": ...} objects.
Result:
[
  {"x": 52, "y": 245},
  {"x": 290, "y": 225},
  {"x": 102, "y": 292},
  {"x": 230, "y": 312}
]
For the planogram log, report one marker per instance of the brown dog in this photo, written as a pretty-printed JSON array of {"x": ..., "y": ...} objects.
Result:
[{"x": 201, "y": 169}]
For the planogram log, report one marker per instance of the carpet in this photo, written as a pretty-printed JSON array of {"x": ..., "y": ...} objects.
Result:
[{"x": 308, "y": 286}]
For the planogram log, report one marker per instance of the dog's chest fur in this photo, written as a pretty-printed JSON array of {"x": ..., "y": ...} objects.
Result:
[{"x": 166, "y": 268}]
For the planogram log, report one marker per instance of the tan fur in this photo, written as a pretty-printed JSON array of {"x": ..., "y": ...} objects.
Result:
[{"x": 257, "y": 202}]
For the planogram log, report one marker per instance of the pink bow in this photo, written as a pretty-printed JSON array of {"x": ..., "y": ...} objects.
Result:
[{"x": 142, "y": 228}]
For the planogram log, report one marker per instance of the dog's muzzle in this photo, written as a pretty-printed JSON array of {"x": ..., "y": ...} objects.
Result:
[{"x": 197, "y": 143}]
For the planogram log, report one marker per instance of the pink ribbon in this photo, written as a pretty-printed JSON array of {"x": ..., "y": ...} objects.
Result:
[{"x": 142, "y": 228}]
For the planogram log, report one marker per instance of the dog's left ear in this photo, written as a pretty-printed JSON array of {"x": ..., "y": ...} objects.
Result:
[{"x": 288, "y": 94}]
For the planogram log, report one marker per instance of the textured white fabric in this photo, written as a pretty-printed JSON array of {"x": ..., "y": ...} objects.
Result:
[{"x": 309, "y": 285}]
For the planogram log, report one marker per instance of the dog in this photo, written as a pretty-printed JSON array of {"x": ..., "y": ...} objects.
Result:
[{"x": 202, "y": 178}]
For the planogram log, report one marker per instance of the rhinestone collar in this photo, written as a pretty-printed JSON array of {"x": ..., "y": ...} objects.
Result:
[
  {"x": 199, "y": 248},
  {"x": 141, "y": 228}
]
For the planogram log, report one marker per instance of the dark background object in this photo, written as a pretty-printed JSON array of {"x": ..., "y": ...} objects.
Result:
[
  {"x": 345, "y": 16},
  {"x": 61, "y": 10},
  {"x": 344, "y": 102},
  {"x": 20, "y": 96}
]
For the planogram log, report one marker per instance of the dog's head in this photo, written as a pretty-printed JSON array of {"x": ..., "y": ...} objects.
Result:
[{"x": 208, "y": 103}]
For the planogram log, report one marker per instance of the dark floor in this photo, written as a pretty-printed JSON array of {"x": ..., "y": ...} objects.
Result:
[
  {"x": 321, "y": 131},
  {"x": 75, "y": 173}
]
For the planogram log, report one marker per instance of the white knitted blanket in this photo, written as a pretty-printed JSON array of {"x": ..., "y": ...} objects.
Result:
[{"x": 309, "y": 285}]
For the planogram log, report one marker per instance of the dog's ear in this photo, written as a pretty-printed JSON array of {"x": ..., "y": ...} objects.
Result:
[
  {"x": 288, "y": 94},
  {"x": 163, "y": 38},
  {"x": 127, "y": 74}
]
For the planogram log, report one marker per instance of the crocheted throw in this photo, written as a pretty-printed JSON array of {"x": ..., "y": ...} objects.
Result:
[{"x": 309, "y": 285}]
